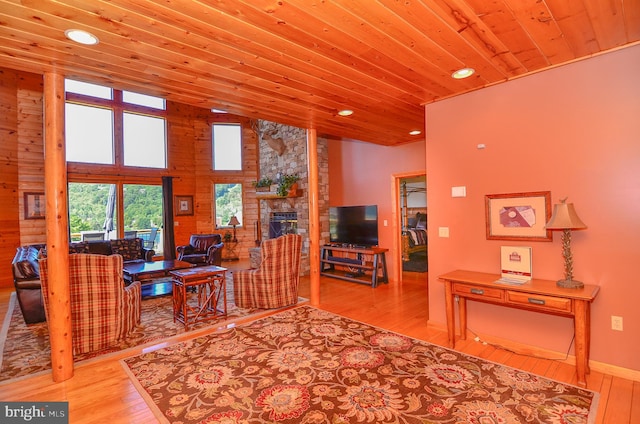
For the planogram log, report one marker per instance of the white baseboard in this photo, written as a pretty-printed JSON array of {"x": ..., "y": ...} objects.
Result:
[{"x": 525, "y": 349}]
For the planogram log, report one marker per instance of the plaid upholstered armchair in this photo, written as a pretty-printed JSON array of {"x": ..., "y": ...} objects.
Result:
[
  {"x": 275, "y": 283},
  {"x": 96, "y": 285}
]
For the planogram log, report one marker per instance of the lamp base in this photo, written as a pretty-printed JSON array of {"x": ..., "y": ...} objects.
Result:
[{"x": 570, "y": 284}]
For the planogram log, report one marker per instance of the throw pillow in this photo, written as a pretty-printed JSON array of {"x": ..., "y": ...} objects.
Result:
[
  {"x": 129, "y": 248},
  {"x": 77, "y": 247}
]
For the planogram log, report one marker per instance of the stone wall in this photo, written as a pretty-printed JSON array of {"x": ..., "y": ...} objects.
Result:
[{"x": 293, "y": 160}]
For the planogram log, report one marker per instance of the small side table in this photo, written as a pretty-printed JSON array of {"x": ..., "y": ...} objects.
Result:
[
  {"x": 230, "y": 251},
  {"x": 209, "y": 283}
]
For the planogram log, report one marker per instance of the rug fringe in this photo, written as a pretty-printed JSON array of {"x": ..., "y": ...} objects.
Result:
[{"x": 5, "y": 325}]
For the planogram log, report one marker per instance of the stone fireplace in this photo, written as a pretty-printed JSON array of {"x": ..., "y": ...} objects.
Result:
[{"x": 289, "y": 156}]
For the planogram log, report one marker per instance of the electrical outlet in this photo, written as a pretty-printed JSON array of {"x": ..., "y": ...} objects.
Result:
[{"x": 616, "y": 323}]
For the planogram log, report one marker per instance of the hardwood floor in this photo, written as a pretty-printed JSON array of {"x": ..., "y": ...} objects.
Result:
[{"x": 101, "y": 392}]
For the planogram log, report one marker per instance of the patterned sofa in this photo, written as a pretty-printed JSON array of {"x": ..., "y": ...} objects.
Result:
[{"x": 26, "y": 269}]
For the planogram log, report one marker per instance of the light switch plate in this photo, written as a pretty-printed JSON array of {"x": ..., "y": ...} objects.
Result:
[
  {"x": 460, "y": 191},
  {"x": 443, "y": 232}
]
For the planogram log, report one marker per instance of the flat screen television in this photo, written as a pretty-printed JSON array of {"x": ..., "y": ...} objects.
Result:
[{"x": 354, "y": 225}]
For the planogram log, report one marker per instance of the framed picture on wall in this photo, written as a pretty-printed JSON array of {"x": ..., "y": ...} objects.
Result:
[
  {"x": 183, "y": 205},
  {"x": 518, "y": 216},
  {"x": 34, "y": 205}
]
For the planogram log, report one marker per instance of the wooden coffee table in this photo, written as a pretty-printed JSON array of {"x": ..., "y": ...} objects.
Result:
[
  {"x": 209, "y": 283},
  {"x": 150, "y": 273}
]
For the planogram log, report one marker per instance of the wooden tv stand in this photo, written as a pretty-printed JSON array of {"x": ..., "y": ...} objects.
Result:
[
  {"x": 535, "y": 295},
  {"x": 354, "y": 263}
]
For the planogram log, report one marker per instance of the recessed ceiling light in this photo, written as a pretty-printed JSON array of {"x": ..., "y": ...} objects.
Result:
[
  {"x": 82, "y": 37},
  {"x": 415, "y": 132},
  {"x": 345, "y": 112},
  {"x": 463, "y": 73}
]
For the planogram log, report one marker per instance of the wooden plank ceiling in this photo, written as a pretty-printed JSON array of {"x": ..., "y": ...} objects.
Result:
[{"x": 299, "y": 62}]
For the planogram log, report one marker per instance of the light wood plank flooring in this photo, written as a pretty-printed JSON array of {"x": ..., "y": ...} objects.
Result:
[{"x": 100, "y": 392}]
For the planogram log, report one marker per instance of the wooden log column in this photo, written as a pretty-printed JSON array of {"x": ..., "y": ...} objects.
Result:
[
  {"x": 314, "y": 216},
  {"x": 55, "y": 177}
]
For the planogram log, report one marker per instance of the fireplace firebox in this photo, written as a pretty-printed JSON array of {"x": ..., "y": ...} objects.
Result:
[{"x": 281, "y": 223}]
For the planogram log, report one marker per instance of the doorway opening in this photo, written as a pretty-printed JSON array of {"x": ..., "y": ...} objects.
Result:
[{"x": 411, "y": 225}]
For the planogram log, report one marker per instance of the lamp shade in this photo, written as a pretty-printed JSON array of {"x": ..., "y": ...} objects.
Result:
[
  {"x": 233, "y": 221},
  {"x": 564, "y": 217}
]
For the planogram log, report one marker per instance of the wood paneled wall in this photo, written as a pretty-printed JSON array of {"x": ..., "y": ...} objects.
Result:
[
  {"x": 9, "y": 212},
  {"x": 30, "y": 152},
  {"x": 189, "y": 162}
]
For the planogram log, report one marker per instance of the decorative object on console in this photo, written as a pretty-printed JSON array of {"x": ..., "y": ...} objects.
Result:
[
  {"x": 566, "y": 219},
  {"x": 233, "y": 221}
]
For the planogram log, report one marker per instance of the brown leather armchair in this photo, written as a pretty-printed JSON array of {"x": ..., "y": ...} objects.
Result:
[{"x": 203, "y": 249}]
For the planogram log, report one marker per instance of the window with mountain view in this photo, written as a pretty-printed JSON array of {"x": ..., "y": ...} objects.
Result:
[
  {"x": 228, "y": 202},
  {"x": 94, "y": 212}
]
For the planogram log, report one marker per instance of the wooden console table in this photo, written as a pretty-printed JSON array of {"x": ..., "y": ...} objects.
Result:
[
  {"x": 355, "y": 260},
  {"x": 536, "y": 295}
]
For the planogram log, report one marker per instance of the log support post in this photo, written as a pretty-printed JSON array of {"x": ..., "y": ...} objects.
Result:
[
  {"x": 57, "y": 224},
  {"x": 314, "y": 215}
]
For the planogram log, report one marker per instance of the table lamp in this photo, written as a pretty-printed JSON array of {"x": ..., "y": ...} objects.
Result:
[
  {"x": 565, "y": 218},
  {"x": 234, "y": 221}
]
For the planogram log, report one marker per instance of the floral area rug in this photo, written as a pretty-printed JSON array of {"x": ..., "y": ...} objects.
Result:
[
  {"x": 25, "y": 350},
  {"x": 308, "y": 366}
]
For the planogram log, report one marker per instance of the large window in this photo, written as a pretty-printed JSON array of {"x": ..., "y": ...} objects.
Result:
[
  {"x": 143, "y": 100},
  {"x": 227, "y": 147},
  {"x": 97, "y": 118},
  {"x": 93, "y": 90},
  {"x": 94, "y": 212},
  {"x": 144, "y": 141},
  {"x": 228, "y": 203},
  {"x": 86, "y": 142}
]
